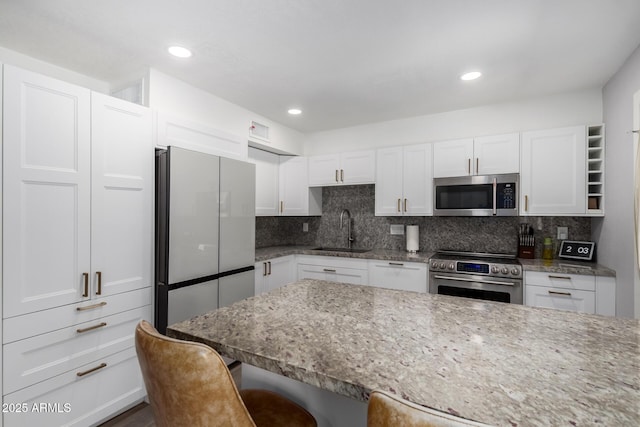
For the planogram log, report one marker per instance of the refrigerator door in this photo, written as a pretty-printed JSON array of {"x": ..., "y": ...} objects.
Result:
[
  {"x": 193, "y": 215},
  {"x": 237, "y": 214},
  {"x": 236, "y": 287},
  {"x": 185, "y": 303}
]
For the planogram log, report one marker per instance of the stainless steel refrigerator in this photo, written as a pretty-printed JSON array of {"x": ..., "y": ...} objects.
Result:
[{"x": 205, "y": 233}]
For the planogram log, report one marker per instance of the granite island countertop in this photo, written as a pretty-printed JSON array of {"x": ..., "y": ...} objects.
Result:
[
  {"x": 549, "y": 266},
  {"x": 502, "y": 364}
]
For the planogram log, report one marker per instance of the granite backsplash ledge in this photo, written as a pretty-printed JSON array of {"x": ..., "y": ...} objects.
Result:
[{"x": 484, "y": 234}]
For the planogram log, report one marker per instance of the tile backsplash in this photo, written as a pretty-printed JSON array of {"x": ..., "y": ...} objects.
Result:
[{"x": 479, "y": 234}]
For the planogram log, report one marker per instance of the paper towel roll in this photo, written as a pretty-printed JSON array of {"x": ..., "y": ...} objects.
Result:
[{"x": 412, "y": 238}]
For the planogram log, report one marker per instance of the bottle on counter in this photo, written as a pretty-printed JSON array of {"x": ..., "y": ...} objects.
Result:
[{"x": 547, "y": 248}]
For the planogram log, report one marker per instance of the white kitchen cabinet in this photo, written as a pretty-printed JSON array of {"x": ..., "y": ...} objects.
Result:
[
  {"x": 334, "y": 269},
  {"x": 357, "y": 167},
  {"x": 267, "y": 187},
  {"x": 274, "y": 273},
  {"x": 574, "y": 292},
  {"x": 296, "y": 198},
  {"x": 404, "y": 181},
  {"x": 184, "y": 133},
  {"x": 78, "y": 210},
  {"x": 400, "y": 275},
  {"x": 495, "y": 154},
  {"x": 553, "y": 172}
]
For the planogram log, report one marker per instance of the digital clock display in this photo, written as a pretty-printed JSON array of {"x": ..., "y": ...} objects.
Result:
[
  {"x": 577, "y": 250},
  {"x": 472, "y": 267}
]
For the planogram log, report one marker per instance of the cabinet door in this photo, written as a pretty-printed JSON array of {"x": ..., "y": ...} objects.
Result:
[
  {"x": 417, "y": 180},
  {"x": 561, "y": 299},
  {"x": 452, "y": 158},
  {"x": 552, "y": 172},
  {"x": 46, "y": 192},
  {"x": 358, "y": 167},
  {"x": 497, "y": 154},
  {"x": 388, "y": 189},
  {"x": 324, "y": 170},
  {"x": 122, "y": 196},
  {"x": 267, "y": 171},
  {"x": 280, "y": 272},
  {"x": 294, "y": 191}
]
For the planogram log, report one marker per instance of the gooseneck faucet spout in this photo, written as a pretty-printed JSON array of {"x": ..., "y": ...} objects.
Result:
[{"x": 350, "y": 238}]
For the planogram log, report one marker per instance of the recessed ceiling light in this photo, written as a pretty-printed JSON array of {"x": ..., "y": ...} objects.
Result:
[
  {"x": 294, "y": 111},
  {"x": 179, "y": 51},
  {"x": 471, "y": 75}
]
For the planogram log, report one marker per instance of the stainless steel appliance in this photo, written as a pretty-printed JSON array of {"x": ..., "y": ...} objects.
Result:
[
  {"x": 495, "y": 277},
  {"x": 478, "y": 195},
  {"x": 205, "y": 233}
]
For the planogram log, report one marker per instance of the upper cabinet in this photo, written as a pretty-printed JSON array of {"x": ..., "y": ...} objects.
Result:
[
  {"x": 553, "y": 172},
  {"x": 281, "y": 186},
  {"x": 485, "y": 155},
  {"x": 404, "y": 183},
  {"x": 183, "y": 133},
  {"x": 356, "y": 167}
]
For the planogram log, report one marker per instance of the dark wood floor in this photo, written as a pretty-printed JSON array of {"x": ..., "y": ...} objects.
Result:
[{"x": 138, "y": 416}]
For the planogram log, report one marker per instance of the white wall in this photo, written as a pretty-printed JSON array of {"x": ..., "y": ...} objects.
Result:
[
  {"x": 614, "y": 233},
  {"x": 32, "y": 64},
  {"x": 181, "y": 99},
  {"x": 575, "y": 108}
]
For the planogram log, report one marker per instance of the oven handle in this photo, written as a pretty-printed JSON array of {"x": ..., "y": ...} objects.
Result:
[{"x": 462, "y": 279}]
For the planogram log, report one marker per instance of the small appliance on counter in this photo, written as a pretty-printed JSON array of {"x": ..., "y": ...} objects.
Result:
[{"x": 526, "y": 242}]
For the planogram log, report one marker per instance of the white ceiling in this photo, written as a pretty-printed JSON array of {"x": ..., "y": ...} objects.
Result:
[{"x": 343, "y": 62}]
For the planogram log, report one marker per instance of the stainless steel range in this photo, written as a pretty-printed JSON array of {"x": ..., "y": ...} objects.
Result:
[{"x": 495, "y": 277}]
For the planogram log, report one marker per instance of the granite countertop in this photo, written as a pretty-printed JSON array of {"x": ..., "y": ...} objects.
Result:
[
  {"x": 502, "y": 364},
  {"x": 550, "y": 266}
]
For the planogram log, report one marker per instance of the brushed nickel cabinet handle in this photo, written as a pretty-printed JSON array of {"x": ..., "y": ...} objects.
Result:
[
  {"x": 264, "y": 268},
  {"x": 90, "y": 307},
  {"x": 477, "y": 165},
  {"x": 469, "y": 166},
  {"x": 328, "y": 270},
  {"x": 91, "y": 328},
  {"x": 99, "y": 291},
  {"x": 269, "y": 264},
  {"x": 405, "y": 205},
  {"x": 568, "y": 294},
  {"x": 526, "y": 203},
  {"x": 399, "y": 264},
  {"x": 281, "y": 206},
  {"x": 551, "y": 276},
  {"x": 341, "y": 175},
  {"x": 337, "y": 179},
  {"x": 399, "y": 205},
  {"x": 85, "y": 278},
  {"x": 100, "y": 366}
]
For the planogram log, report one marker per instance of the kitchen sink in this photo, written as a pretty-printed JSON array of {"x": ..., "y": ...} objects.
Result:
[{"x": 352, "y": 250}]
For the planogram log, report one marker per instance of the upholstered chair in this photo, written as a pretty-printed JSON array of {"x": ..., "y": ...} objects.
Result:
[
  {"x": 387, "y": 410},
  {"x": 188, "y": 384}
]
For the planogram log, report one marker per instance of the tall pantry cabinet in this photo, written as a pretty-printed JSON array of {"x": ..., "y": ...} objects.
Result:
[{"x": 77, "y": 234}]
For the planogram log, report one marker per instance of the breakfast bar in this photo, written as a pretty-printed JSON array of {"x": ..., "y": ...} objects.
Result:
[{"x": 501, "y": 364}]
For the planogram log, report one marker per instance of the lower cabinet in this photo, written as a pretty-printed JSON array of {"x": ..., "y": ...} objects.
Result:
[
  {"x": 573, "y": 292},
  {"x": 403, "y": 276},
  {"x": 334, "y": 269},
  {"x": 274, "y": 273}
]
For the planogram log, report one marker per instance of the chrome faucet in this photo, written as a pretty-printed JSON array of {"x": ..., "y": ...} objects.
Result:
[{"x": 350, "y": 238}]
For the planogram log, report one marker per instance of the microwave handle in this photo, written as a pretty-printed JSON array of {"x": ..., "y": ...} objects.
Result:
[{"x": 495, "y": 195}]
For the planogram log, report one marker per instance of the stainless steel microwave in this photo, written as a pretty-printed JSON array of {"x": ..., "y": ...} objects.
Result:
[{"x": 477, "y": 195}]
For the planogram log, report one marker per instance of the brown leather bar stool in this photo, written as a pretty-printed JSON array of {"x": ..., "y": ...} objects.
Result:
[
  {"x": 387, "y": 410},
  {"x": 189, "y": 384}
]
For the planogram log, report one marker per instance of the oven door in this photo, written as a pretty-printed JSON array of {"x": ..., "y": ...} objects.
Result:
[{"x": 478, "y": 287}]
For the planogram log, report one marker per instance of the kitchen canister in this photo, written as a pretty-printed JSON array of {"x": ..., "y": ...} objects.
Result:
[{"x": 412, "y": 238}]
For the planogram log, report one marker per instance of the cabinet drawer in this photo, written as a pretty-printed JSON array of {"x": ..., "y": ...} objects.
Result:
[
  {"x": 333, "y": 274},
  {"x": 560, "y": 298},
  {"x": 40, "y": 322},
  {"x": 80, "y": 400},
  {"x": 38, "y": 358},
  {"x": 404, "y": 276},
  {"x": 559, "y": 280}
]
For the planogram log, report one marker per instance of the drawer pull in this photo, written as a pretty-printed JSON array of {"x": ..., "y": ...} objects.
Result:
[
  {"x": 100, "y": 366},
  {"x": 559, "y": 277},
  {"x": 328, "y": 270},
  {"x": 91, "y": 328},
  {"x": 399, "y": 264},
  {"x": 91, "y": 307},
  {"x": 567, "y": 294}
]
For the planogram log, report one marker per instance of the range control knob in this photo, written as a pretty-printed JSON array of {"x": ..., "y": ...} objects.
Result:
[
  {"x": 495, "y": 269},
  {"x": 434, "y": 264},
  {"x": 451, "y": 266},
  {"x": 442, "y": 266},
  {"x": 515, "y": 271},
  {"x": 504, "y": 270}
]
